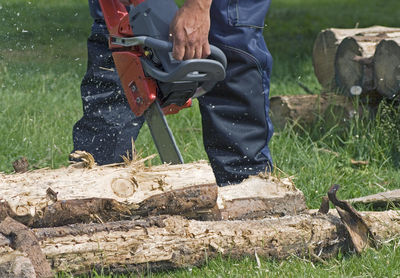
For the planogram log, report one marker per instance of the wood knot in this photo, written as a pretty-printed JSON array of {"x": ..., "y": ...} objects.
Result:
[{"x": 123, "y": 188}]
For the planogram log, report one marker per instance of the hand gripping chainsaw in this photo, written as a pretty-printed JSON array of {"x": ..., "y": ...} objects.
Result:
[{"x": 154, "y": 83}]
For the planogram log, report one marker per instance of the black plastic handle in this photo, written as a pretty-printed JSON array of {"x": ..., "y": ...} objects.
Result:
[
  {"x": 207, "y": 71},
  {"x": 153, "y": 43},
  {"x": 201, "y": 70}
]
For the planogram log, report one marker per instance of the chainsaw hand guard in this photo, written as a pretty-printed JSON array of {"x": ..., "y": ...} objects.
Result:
[{"x": 144, "y": 62}]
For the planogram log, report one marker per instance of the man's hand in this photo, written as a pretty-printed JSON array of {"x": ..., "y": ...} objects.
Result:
[{"x": 189, "y": 30}]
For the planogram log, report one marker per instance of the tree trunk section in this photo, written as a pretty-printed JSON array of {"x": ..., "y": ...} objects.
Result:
[
  {"x": 305, "y": 110},
  {"x": 48, "y": 198},
  {"x": 172, "y": 241},
  {"x": 353, "y": 65},
  {"x": 326, "y": 45},
  {"x": 387, "y": 67}
]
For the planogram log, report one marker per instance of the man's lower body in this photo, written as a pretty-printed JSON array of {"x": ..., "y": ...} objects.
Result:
[
  {"x": 236, "y": 124},
  {"x": 108, "y": 126}
]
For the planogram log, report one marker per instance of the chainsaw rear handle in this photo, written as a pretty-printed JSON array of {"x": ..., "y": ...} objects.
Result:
[
  {"x": 157, "y": 44},
  {"x": 207, "y": 71},
  {"x": 216, "y": 53}
]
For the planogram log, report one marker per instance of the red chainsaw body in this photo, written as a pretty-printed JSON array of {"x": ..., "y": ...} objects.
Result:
[{"x": 140, "y": 90}]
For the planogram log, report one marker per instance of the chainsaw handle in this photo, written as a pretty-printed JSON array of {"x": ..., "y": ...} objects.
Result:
[
  {"x": 209, "y": 71},
  {"x": 153, "y": 43},
  {"x": 162, "y": 45},
  {"x": 202, "y": 70}
]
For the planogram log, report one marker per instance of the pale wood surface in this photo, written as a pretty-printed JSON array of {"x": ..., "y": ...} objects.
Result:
[{"x": 94, "y": 195}]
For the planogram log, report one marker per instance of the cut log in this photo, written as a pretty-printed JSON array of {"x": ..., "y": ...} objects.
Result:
[
  {"x": 305, "y": 110},
  {"x": 172, "y": 241},
  {"x": 325, "y": 47},
  {"x": 47, "y": 198},
  {"x": 387, "y": 67},
  {"x": 254, "y": 199},
  {"x": 380, "y": 200}
]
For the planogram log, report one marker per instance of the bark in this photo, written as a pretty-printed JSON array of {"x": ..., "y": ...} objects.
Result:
[
  {"x": 16, "y": 264},
  {"x": 172, "y": 241},
  {"x": 24, "y": 240},
  {"x": 305, "y": 110},
  {"x": 353, "y": 64},
  {"x": 387, "y": 67},
  {"x": 325, "y": 47},
  {"x": 48, "y": 198},
  {"x": 359, "y": 232}
]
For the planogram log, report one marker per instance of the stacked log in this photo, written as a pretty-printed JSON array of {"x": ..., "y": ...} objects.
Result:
[
  {"x": 387, "y": 67},
  {"x": 344, "y": 60},
  {"x": 172, "y": 241},
  {"x": 353, "y": 64},
  {"x": 132, "y": 218},
  {"x": 129, "y": 203},
  {"x": 325, "y": 47},
  {"x": 48, "y": 198},
  {"x": 306, "y": 110}
]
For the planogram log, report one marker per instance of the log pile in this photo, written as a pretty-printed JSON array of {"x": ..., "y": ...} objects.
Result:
[
  {"x": 358, "y": 61},
  {"x": 131, "y": 217}
]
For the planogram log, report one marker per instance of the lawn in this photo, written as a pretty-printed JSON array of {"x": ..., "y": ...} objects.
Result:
[{"x": 42, "y": 61}]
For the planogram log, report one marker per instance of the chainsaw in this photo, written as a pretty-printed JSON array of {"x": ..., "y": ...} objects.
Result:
[{"x": 155, "y": 84}]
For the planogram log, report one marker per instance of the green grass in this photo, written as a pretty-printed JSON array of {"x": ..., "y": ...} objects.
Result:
[{"x": 42, "y": 61}]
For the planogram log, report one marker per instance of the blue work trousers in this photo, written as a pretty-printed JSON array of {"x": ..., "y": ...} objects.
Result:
[
  {"x": 235, "y": 114},
  {"x": 235, "y": 121}
]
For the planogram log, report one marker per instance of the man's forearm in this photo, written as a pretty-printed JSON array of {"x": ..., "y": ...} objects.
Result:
[{"x": 200, "y": 4}]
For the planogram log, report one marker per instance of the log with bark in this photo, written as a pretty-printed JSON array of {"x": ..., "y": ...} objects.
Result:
[
  {"x": 305, "y": 110},
  {"x": 379, "y": 200},
  {"x": 46, "y": 198},
  {"x": 326, "y": 45},
  {"x": 353, "y": 64},
  {"x": 173, "y": 241},
  {"x": 355, "y": 68},
  {"x": 387, "y": 67}
]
